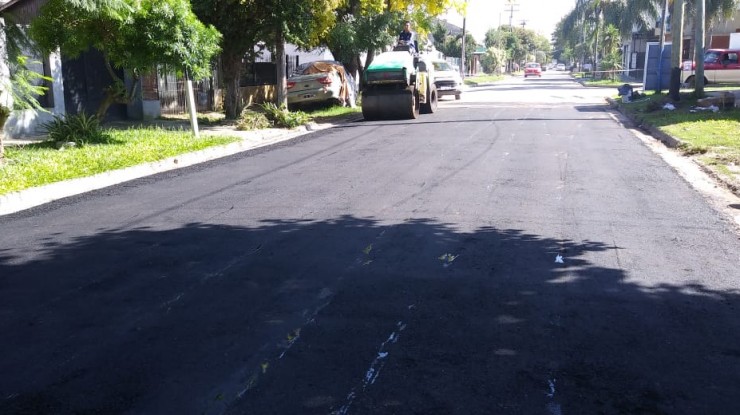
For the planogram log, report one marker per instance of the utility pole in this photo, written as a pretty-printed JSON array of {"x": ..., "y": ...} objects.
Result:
[
  {"x": 676, "y": 49},
  {"x": 523, "y": 23},
  {"x": 462, "y": 54},
  {"x": 511, "y": 9},
  {"x": 700, "y": 25}
]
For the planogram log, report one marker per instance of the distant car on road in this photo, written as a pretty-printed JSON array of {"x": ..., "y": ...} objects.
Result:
[
  {"x": 560, "y": 67},
  {"x": 321, "y": 82},
  {"x": 532, "y": 69},
  {"x": 447, "y": 80}
]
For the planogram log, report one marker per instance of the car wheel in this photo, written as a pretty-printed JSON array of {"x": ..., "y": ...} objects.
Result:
[{"x": 457, "y": 97}]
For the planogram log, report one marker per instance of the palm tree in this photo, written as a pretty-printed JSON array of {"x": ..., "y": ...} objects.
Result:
[
  {"x": 714, "y": 9},
  {"x": 592, "y": 15}
]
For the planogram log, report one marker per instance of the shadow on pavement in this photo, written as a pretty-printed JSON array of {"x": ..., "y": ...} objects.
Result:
[{"x": 297, "y": 317}]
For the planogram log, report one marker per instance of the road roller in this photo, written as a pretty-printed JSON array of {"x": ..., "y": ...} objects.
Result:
[{"x": 399, "y": 84}]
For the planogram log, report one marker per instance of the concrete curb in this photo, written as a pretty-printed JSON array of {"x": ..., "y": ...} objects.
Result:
[
  {"x": 673, "y": 142},
  {"x": 667, "y": 139},
  {"x": 36, "y": 196}
]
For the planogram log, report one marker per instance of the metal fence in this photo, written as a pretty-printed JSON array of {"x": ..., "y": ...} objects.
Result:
[
  {"x": 264, "y": 72},
  {"x": 172, "y": 91},
  {"x": 173, "y": 94}
]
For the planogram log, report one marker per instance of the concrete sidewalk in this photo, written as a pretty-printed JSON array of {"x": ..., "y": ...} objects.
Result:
[{"x": 28, "y": 198}]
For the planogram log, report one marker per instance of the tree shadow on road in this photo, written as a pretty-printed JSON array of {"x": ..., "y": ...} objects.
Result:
[{"x": 355, "y": 315}]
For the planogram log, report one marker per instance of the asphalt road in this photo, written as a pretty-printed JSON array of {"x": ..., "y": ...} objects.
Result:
[{"x": 517, "y": 252}]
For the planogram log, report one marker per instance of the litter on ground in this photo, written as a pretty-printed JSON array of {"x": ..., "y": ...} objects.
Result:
[{"x": 712, "y": 108}]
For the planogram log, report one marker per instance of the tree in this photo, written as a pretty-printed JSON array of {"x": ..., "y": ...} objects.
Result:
[
  {"x": 580, "y": 29},
  {"x": 301, "y": 22},
  {"x": 136, "y": 35},
  {"x": 242, "y": 24},
  {"x": 454, "y": 46},
  {"x": 611, "y": 50},
  {"x": 23, "y": 87},
  {"x": 493, "y": 60},
  {"x": 366, "y": 26},
  {"x": 588, "y": 16},
  {"x": 520, "y": 44},
  {"x": 362, "y": 27}
]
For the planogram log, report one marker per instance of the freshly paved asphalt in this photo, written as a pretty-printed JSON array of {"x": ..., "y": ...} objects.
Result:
[{"x": 516, "y": 252}]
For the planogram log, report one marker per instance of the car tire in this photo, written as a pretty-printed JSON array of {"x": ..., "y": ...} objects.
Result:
[
  {"x": 457, "y": 97},
  {"x": 691, "y": 81}
]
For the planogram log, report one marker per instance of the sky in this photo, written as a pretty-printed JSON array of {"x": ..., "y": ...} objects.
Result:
[{"x": 539, "y": 15}]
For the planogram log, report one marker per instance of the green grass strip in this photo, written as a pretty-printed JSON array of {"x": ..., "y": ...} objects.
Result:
[{"x": 42, "y": 163}]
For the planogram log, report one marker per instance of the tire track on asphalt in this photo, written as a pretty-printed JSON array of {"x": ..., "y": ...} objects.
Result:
[
  {"x": 435, "y": 184},
  {"x": 248, "y": 180}
]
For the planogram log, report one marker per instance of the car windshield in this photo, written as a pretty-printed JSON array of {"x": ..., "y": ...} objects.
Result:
[
  {"x": 533, "y": 65},
  {"x": 442, "y": 66},
  {"x": 711, "y": 57}
]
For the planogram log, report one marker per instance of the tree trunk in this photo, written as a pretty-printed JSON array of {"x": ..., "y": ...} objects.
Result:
[
  {"x": 115, "y": 95},
  {"x": 359, "y": 70},
  {"x": 4, "y": 115},
  {"x": 353, "y": 65},
  {"x": 282, "y": 90},
  {"x": 676, "y": 49},
  {"x": 700, "y": 25},
  {"x": 368, "y": 60},
  {"x": 232, "y": 100},
  {"x": 115, "y": 92}
]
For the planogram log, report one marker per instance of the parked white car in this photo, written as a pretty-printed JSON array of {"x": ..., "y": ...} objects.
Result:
[{"x": 447, "y": 80}]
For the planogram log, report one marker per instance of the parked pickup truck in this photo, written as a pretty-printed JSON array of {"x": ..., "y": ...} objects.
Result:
[{"x": 720, "y": 66}]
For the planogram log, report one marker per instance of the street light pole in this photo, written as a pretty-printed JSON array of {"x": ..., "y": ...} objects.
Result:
[
  {"x": 462, "y": 53},
  {"x": 462, "y": 57}
]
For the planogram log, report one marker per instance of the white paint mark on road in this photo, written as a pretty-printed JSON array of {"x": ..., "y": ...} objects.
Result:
[
  {"x": 551, "y": 382},
  {"x": 554, "y": 408},
  {"x": 559, "y": 259},
  {"x": 169, "y": 303},
  {"x": 344, "y": 410},
  {"x": 292, "y": 338},
  {"x": 371, "y": 375}
]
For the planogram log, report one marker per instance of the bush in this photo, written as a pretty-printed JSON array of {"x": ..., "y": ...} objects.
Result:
[
  {"x": 283, "y": 118},
  {"x": 80, "y": 129},
  {"x": 252, "y": 120}
]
